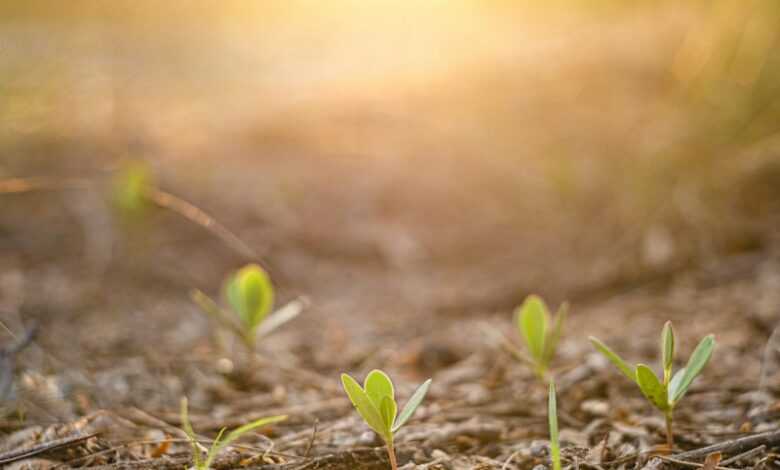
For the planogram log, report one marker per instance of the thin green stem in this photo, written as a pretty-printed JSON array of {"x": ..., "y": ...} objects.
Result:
[
  {"x": 391, "y": 455},
  {"x": 669, "y": 433}
]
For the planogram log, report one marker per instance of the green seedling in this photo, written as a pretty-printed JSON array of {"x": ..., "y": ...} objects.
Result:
[
  {"x": 552, "y": 417},
  {"x": 130, "y": 186},
  {"x": 375, "y": 402},
  {"x": 664, "y": 394},
  {"x": 540, "y": 332},
  {"x": 249, "y": 294},
  {"x": 220, "y": 443}
]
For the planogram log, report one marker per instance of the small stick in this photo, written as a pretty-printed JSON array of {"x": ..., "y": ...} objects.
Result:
[
  {"x": 690, "y": 464},
  {"x": 734, "y": 446},
  {"x": 745, "y": 455},
  {"x": 24, "y": 453}
]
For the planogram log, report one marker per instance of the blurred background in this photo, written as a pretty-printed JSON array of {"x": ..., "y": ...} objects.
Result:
[{"x": 451, "y": 155}]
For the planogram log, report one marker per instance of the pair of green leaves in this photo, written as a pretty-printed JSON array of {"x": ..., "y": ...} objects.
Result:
[
  {"x": 540, "y": 332},
  {"x": 250, "y": 295},
  {"x": 220, "y": 443},
  {"x": 375, "y": 402},
  {"x": 665, "y": 393}
]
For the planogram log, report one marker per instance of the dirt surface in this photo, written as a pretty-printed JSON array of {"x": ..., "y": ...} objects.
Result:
[
  {"x": 118, "y": 342},
  {"x": 411, "y": 171}
]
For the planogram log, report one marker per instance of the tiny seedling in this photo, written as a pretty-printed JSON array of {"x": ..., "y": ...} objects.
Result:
[
  {"x": 130, "y": 186},
  {"x": 540, "y": 332},
  {"x": 664, "y": 394},
  {"x": 375, "y": 402},
  {"x": 552, "y": 417},
  {"x": 250, "y": 295},
  {"x": 220, "y": 443}
]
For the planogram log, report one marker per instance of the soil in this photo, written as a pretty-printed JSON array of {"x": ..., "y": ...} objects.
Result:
[{"x": 116, "y": 341}]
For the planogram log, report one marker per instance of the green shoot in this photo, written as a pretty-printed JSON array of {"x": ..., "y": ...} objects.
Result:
[
  {"x": 375, "y": 403},
  {"x": 250, "y": 295},
  {"x": 552, "y": 416},
  {"x": 533, "y": 322},
  {"x": 665, "y": 393},
  {"x": 130, "y": 185},
  {"x": 219, "y": 444}
]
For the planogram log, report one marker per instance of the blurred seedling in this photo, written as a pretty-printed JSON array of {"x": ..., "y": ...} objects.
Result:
[
  {"x": 375, "y": 403},
  {"x": 552, "y": 417},
  {"x": 540, "y": 332},
  {"x": 249, "y": 294},
  {"x": 666, "y": 393},
  {"x": 220, "y": 443}
]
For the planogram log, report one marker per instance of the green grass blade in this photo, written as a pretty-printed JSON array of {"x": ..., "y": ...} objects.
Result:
[
  {"x": 552, "y": 417},
  {"x": 220, "y": 445},
  {"x": 701, "y": 355},
  {"x": 187, "y": 427},
  {"x": 626, "y": 369},
  {"x": 667, "y": 346},
  {"x": 364, "y": 406},
  {"x": 532, "y": 321},
  {"x": 214, "y": 449},
  {"x": 378, "y": 386},
  {"x": 651, "y": 387},
  {"x": 412, "y": 405}
]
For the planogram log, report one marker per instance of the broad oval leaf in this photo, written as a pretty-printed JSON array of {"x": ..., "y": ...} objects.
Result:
[
  {"x": 388, "y": 409},
  {"x": 651, "y": 387},
  {"x": 667, "y": 346},
  {"x": 256, "y": 294},
  {"x": 411, "y": 405},
  {"x": 364, "y": 406},
  {"x": 699, "y": 358},
  {"x": 626, "y": 369},
  {"x": 378, "y": 386},
  {"x": 532, "y": 321}
]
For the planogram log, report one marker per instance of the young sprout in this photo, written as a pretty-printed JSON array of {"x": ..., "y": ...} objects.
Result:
[
  {"x": 130, "y": 186},
  {"x": 250, "y": 296},
  {"x": 664, "y": 394},
  {"x": 552, "y": 417},
  {"x": 375, "y": 402},
  {"x": 219, "y": 443},
  {"x": 533, "y": 322}
]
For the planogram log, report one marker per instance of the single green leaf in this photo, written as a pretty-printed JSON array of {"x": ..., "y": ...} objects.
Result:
[
  {"x": 388, "y": 409},
  {"x": 256, "y": 294},
  {"x": 651, "y": 387},
  {"x": 554, "y": 335},
  {"x": 532, "y": 321},
  {"x": 378, "y": 386},
  {"x": 364, "y": 406},
  {"x": 674, "y": 384},
  {"x": 626, "y": 369},
  {"x": 411, "y": 405},
  {"x": 699, "y": 358},
  {"x": 552, "y": 417},
  {"x": 667, "y": 346},
  {"x": 220, "y": 444}
]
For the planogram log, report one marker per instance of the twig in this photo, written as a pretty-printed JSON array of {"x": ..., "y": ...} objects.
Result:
[
  {"x": 310, "y": 443},
  {"x": 734, "y": 446},
  {"x": 690, "y": 464},
  {"x": 745, "y": 455},
  {"x": 24, "y": 453}
]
